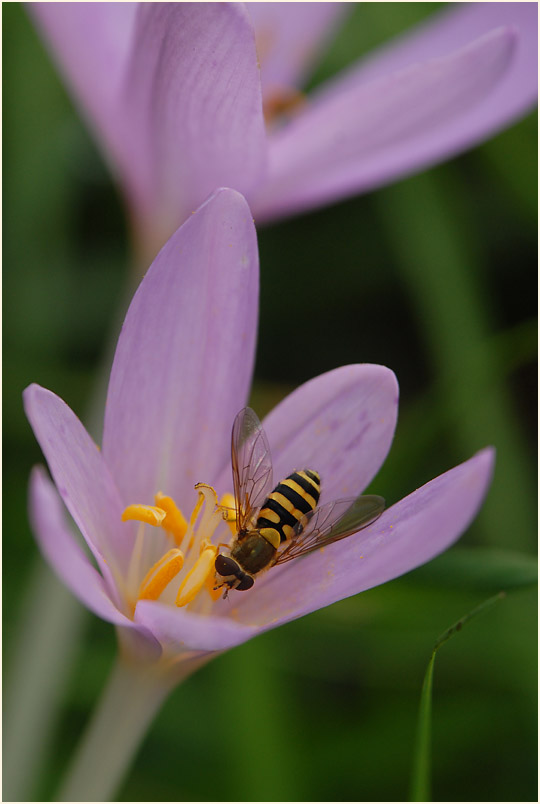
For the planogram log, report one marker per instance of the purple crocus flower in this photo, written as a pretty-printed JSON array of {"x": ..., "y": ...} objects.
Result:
[
  {"x": 174, "y": 93},
  {"x": 181, "y": 373}
]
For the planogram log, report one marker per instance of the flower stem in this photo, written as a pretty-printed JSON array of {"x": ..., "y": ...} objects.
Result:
[
  {"x": 132, "y": 697},
  {"x": 40, "y": 667}
]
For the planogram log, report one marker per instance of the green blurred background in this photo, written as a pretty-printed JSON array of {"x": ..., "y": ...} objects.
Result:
[{"x": 434, "y": 277}]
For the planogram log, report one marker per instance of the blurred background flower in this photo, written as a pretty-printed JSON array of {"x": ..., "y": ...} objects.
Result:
[
  {"x": 173, "y": 94},
  {"x": 438, "y": 281}
]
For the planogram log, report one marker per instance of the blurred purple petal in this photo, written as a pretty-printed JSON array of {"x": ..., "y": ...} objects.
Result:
[
  {"x": 81, "y": 476},
  {"x": 453, "y": 28},
  {"x": 178, "y": 105},
  {"x": 290, "y": 38},
  {"x": 408, "y": 534},
  {"x": 192, "y": 91},
  {"x": 357, "y": 135},
  {"x": 184, "y": 359},
  {"x": 173, "y": 91},
  {"x": 178, "y": 630}
]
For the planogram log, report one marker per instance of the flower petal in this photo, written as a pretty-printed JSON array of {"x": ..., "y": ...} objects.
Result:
[
  {"x": 340, "y": 424},
  {"x": 178, "y": 630},
  {"x": 289, "y": 38},
  {"x": 453, "y": 28},
  {"x": 60, "y": 549},
  {"x": 180, "y": 112},
  {"x": 193, "y": 90},
  {"x": 408, "y": 534},
  {"x": 184, "y": 359},
  {"x": 82, "y": 478},
  {"x": 364, "y": 130}
]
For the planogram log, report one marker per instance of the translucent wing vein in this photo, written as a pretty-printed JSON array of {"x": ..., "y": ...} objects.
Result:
[
  {"x": 330, "y": 523},
  {"x": 251, "y": 466}
]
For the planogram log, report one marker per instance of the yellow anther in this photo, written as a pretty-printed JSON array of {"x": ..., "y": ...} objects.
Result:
[
  {"x": 161, "y": 575},
  {"x": 196, "y": 578},
  {"x": 174, "y": 522},
  {"x": 228, "y": 507},
  {"x": 210, "y": 588},
  {"x": 149, "y": 514}
]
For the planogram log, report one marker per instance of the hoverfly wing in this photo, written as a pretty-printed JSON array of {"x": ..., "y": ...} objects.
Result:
[
  {"x": 330, "y": 523},
  {"x": 251, "y": 466}
]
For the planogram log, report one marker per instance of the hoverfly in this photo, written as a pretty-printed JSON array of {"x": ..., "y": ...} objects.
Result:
[{"x": 277, "y": 526}]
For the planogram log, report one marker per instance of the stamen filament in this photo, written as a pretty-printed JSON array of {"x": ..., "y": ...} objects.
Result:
[
  {"x": 206, "y": 495},
  {"x": 161, "y": 575},
  {"x": 196, "y": 578},
  {"x": 193, "y": 519},
  {"x": 133, "y": 573}
]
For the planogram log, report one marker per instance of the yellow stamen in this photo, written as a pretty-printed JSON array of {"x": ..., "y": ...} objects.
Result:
[
  {"x": 196, "y": 578},
  {"x": 161, "y": 575},
  {"x": 210, "y": 588},
  {"x": 174, "y": 522},
  {"x": 228, "y": 507},
  {"x": 227, "y": 502},
  {"x": 144, "y": 513}
]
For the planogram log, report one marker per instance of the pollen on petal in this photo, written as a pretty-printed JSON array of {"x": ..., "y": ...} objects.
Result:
[
  {"x": 196, "y": 578},
  {"x": 161, "y": 575},
  {"x": 174, "y": 522},
  {"x": 149, "y": 514}
]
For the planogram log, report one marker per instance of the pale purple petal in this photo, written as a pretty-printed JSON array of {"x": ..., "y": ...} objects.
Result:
[
  {"x": 59, "y": 548},
  {"x": 82, "y": 478},
  {"x": 340, "y": 424},
  {"x": 458, "y": 25},
  {"x": 193, "y": 92},
  {"x": 290, "y": 38},
  {"x": 178, "y": 630},
  {"x": 58, "y": 545},
  {"x": 363, "y": 131},
  {"x": 180, "y": 113},
  {"x": 184, "y": 359},
  {"x": 408, "y": 534}
]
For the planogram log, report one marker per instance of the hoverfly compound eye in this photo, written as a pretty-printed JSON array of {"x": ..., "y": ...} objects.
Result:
[
  {"x": 226, "y": 566},
  {"x": 245, "y": 583}
]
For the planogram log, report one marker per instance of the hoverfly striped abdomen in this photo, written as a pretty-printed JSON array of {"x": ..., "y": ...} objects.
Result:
[{"x": 295, "y": 496}]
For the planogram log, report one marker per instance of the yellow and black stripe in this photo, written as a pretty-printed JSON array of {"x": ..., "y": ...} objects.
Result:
[{"x": 291, "y": 499}]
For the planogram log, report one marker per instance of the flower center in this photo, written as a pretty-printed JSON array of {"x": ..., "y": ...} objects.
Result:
[
  {"x": 177, "y": 567},
  {"x": 280, "y": 104}
]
